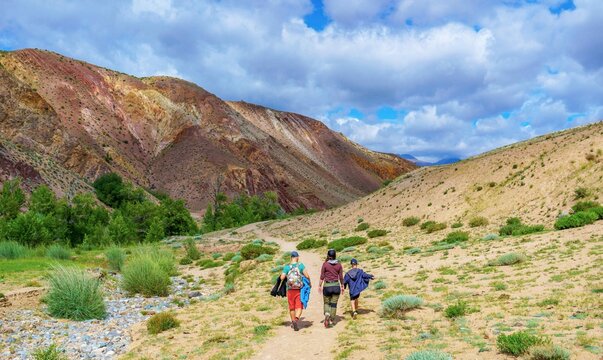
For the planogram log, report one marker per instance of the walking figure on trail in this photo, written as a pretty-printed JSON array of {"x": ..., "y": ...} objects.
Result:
[
  {"x": 357, "y": 280},
  {"x": 331, "y": 276},
  {"x": 294, "y": 273}
]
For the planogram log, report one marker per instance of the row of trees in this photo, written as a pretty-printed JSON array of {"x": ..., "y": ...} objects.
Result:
[{"x": 83, "y": 221}]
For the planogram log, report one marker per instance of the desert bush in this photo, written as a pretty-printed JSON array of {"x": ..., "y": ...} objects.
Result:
[
  {"x": 515, "y": 227},
  {"x": 517, "y": 343},
  {"x": 456, "y": 225},
  {"x": 142, "y": 275},
  {"x": 379, "y": 285},
  {"x": 51, "y": 352},
  {"x": 12, "y": 250},
  {"x": 412, "y": 251},
  {"x": 425, "y": 224},
  {"x": 216, "y": 256},
  {"x": 456, "y": 310},
  {"x": 410, "y": 221},
  {"x": 311, "y": 244},
  {"x": 585, "y": 206},
  {"x": 376, "y": 233},
  {"x": 185, "y": 261},
  {"x": 191, "y": 249},
  {"x": 549, "y": 352},
  {"x": 342, "y": 243},
  {"x": 362, "y": 226},
  {"x": 345, "y": 258},
  {"x": 58, "y": 252},
  {"x": 490, "y": 237},
  {"x": 397, "y": 306},
  {"x": 210, "y": 263},
  {"x": 228, "y": 256},
  {"x": 508, "y": 259},
  {"x": 74, "y": 295},
  {"x": 456, "y": 236},
  {"x": 161, "y": 322},
  {"x": 478, "y": 221},
  {"x": 115, "y": 257},
  {"x": 581, "y": 193},
  {"x": 237, "y": 259},
  {"x": 264, "y": 258},
  {"x": 434, "y": 226},
  {"x": 428, "y": 355},
  {"x": 360, "y": 220},
  {"x": 252, "y": 251},
  {"x": 578, "y": 219}
]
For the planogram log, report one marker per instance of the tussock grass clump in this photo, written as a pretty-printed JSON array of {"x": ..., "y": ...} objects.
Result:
[
  {"x": 252, "y": 251},
  {"x": 116, "y": 257},
  {"x": 185, "y": 261},
  {"x": 162, "y": 322},
  {"x": 74, "y": 295},
  {"x": 236, "y": 259},
  {"x": 455, "y": 237},
  {"x": 343, "y": 243},
  {"x": 508, "y": 259},
  {"x": 379, "y": 285},
  {"x": 549, "y": 352},
  {"x": 51, "y": 352},
  {"x": 425, "y": 224},
  {"x": 515, "y": 227},
  {"x": 264, "y": 258},
  {"x": 261, "y": 330},
  {"x": 210, "y": 263},
  {"x": 162, "y": 257},
  {"x": 12, "y": 250},
  {"x": 311, "y": 244},
  {"x": 428, "y": 355},
  {"x": 58, "y": 252},
  {"x": 456, "y": 225},
  {"x": 411, "y": 221},
  {"x": 478, "y": 221},
  {"x": 397, "y": 306},
  {"x": 228, "y": 256},
  {"x": 456, "y": 310},
  {"x": 362, "y": 226},
  {"x": 412, "y": 251},
  {"x": 578, "y": 219},
  {"x": 191, "y": 249},
  {"x": 142, "y": 275},
  {"x": 376, "y": 233},
  {"x": 517, "y": 343},
  {"x": 433, "y": 226}
]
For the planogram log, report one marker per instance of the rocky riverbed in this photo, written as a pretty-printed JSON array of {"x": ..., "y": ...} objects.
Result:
[{"x": 24, "y": 330}]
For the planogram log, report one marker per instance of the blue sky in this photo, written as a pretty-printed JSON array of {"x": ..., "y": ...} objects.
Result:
[{"x": 430, "y": 78}]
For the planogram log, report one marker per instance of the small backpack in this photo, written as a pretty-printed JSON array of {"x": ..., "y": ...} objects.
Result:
[{"x": 294, "y": 277}]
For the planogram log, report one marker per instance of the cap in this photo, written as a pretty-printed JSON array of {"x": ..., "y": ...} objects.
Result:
[
  {"x": 354, "y": 262},
  {"x": 294, "y": 254}
]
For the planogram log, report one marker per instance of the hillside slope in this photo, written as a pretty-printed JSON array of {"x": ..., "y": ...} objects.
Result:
[{"x": 171, "y": 135}]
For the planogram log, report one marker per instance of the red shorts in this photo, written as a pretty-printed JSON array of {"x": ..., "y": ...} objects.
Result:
[{"x": 294, "y": 298}]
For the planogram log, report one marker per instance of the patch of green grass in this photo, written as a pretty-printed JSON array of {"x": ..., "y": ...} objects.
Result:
[
  {"x": 428, "y": 355},
  {"x": 74, "y": 295},
  {"x": 362, "y": 226},
  {"x": 499, "y": 286},
  {"x": 162, "y": 322},
  {"x": 456, "y": 310},
  {"x": 116, "y": 257},
  {"x": 397, "y": 306},
  {"x": 548, "y": 302},
  {"x": 311, "y": 244},
  {"x": 411, "y": 221},
  {"x": 185, "y": 261},
  {"x": 342, "y": 243},
  {"x": 456, "y": 225},
  {"x": 51, "y": 352},
  {"x": 478, "y": 221},
  {"x": 58, "y": 252},
  {"x": 261, "y": 330},
  {"x": 456, "y": 237},
  {"x": 210, "y": 263},
  {"x": 12, "y": 250},
  {"x": 517, "y": 343},
  {"x": 252, "y": 251},
  {"x": 508, "y": 259},
  {"x": 376, "y": 233}
]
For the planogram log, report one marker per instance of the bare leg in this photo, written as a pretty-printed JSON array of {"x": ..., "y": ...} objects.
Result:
[
  {"x": 298, "y": 313},
  {"x": 292, "y": 315},
  {"x": 355, "y": 306}
]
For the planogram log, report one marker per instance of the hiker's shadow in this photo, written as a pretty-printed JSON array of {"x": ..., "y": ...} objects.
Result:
[
  {"x": 365, "y": 311},
  {"x": 302, "y": 323}
]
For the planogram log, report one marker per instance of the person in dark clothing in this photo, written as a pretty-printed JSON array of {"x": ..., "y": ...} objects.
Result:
[
  {"x": 331, "y": 276},
  {"x": 357, "y": 280}
]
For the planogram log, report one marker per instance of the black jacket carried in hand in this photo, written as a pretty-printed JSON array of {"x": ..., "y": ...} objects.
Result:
[{"x": 280, "y": 288}]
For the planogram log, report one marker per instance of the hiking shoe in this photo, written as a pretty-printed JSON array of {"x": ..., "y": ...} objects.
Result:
[
  {"x": 295, "y": 327},
  {"x": 327, "y": 321},
  {"x": 354, "y": 314}
]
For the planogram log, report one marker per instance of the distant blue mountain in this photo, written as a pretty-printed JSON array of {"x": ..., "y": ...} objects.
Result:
[{"x": 444, "y": 161}]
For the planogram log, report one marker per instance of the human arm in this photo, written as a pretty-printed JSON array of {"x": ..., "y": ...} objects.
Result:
[
  {"x": 322, "y": 278},
  {"x": 340, "y": 273},
  {"x": 305, "y": 273}
]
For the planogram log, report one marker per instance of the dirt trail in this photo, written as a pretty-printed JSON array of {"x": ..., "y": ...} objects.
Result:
[{"x": 312, "y": 340}]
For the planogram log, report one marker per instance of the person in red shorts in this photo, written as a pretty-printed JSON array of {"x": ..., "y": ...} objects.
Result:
[{"x": 294, "y": 272}]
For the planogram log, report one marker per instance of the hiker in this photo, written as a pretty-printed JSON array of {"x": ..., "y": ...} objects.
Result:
[
  {"x": 357, "y": 280},
  {"x": 331, "y": 276},
  {"x": 295, "y": 273}
]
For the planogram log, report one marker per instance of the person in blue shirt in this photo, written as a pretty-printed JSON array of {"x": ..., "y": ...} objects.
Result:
[
  {"x": 357, "y": 280},
  {"x": 294, "y": 274}
]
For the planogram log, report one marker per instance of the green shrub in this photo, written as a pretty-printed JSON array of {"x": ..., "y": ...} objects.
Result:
[
  {"x": 216, "y": 256},
  {"x": 578, "y": 219},
  {"x": 425, "y": 224},
  {"x": 142, "y": 275},
  {"x": 362, "y": 226},
  {"x": 261, "y": 330},
  {"x": 311, "y": 244},
  {"x": 478, "y": 221},
  {"x": 456, "y": 225},
  {"x": 345, "y": 258},
  {"x": 252, "y": 251},
  {"x": 517, "y": 343},
  {"x": 342, "y": 243},
  {"x": 49, "y": 353},
  {"x": 58, "y": 252},
  {"x": 237, "y": 259},
  {"x": 428, "y": 355},
  {"x": 209, "y": 263},
  {"x": 412, "y": 251},
  {"x": 379, "y": 285},
  {"x": 434, "y": 226},
  {"x": 191, "y": 249},
  {"x": 508, "y": 259},
  {"x": 264, "y": 258},
  {"x": 162, "y": 257},
  {"x": 376, "y": 233},
  {"x": 549, "y": 352},
  {"x": 456, "y": 310},
  {"x": 490, "y": 237},
  {"x": 360, "y": 220},
  {"x": 581, "y": 193},
  {"x": 74, "y": 295},
  {"x": 12, "y": 250},
  {"x": 116, "y": 258},
  {"x": 585, "y": 206},
  {"x": 228, "y": 256},
  {"x": 397, "y": 306},
  {"x": 456, "y": 236},
  {"x": 161, "y": 322},
  {"x": 515, "y": 227},
  {"x": 185, "y": 261},
  {"x": 411, "y": 221}
]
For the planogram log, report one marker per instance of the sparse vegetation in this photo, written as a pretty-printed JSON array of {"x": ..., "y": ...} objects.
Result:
[
  {"x": 397, "y": 306},
  {"x": 74, "y": 295},
  {"x": 508, "y": 259},
  {"x": 478, "y": 221},
  {"x": 517, "y": 343},
  {"x": 362, "y": 226},
  {"x": 343, "y": 243},
  {"x": 311, "y": 244},
  {"x": 161, "y": 322},
  {"x": 252, "y": 251},
  {"x": 411, "y": 221},
  {"x": 376, "y": 233},
  {"x": 581, "y": 193},
  {"x": 457, "y": 225}
]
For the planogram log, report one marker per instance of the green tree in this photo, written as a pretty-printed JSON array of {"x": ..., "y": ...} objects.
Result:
[
  {"x": 43, "y": 200},
  {"x": 85, "y": 215},
  {"x": 156, "y": 231},
  {"x": 12, "y": 199},
  {"x": 177, "y": 219},
  {"x": 121, "y": 231},
  {"x": 141, "y": 215},
  {"x": 114, "y": 192},
  {"x": 29, "y": 229},
  {"x": 97, "y": 237}
]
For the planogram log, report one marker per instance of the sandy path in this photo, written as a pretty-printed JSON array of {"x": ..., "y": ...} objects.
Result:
[{"x": 312, "y": 340}]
